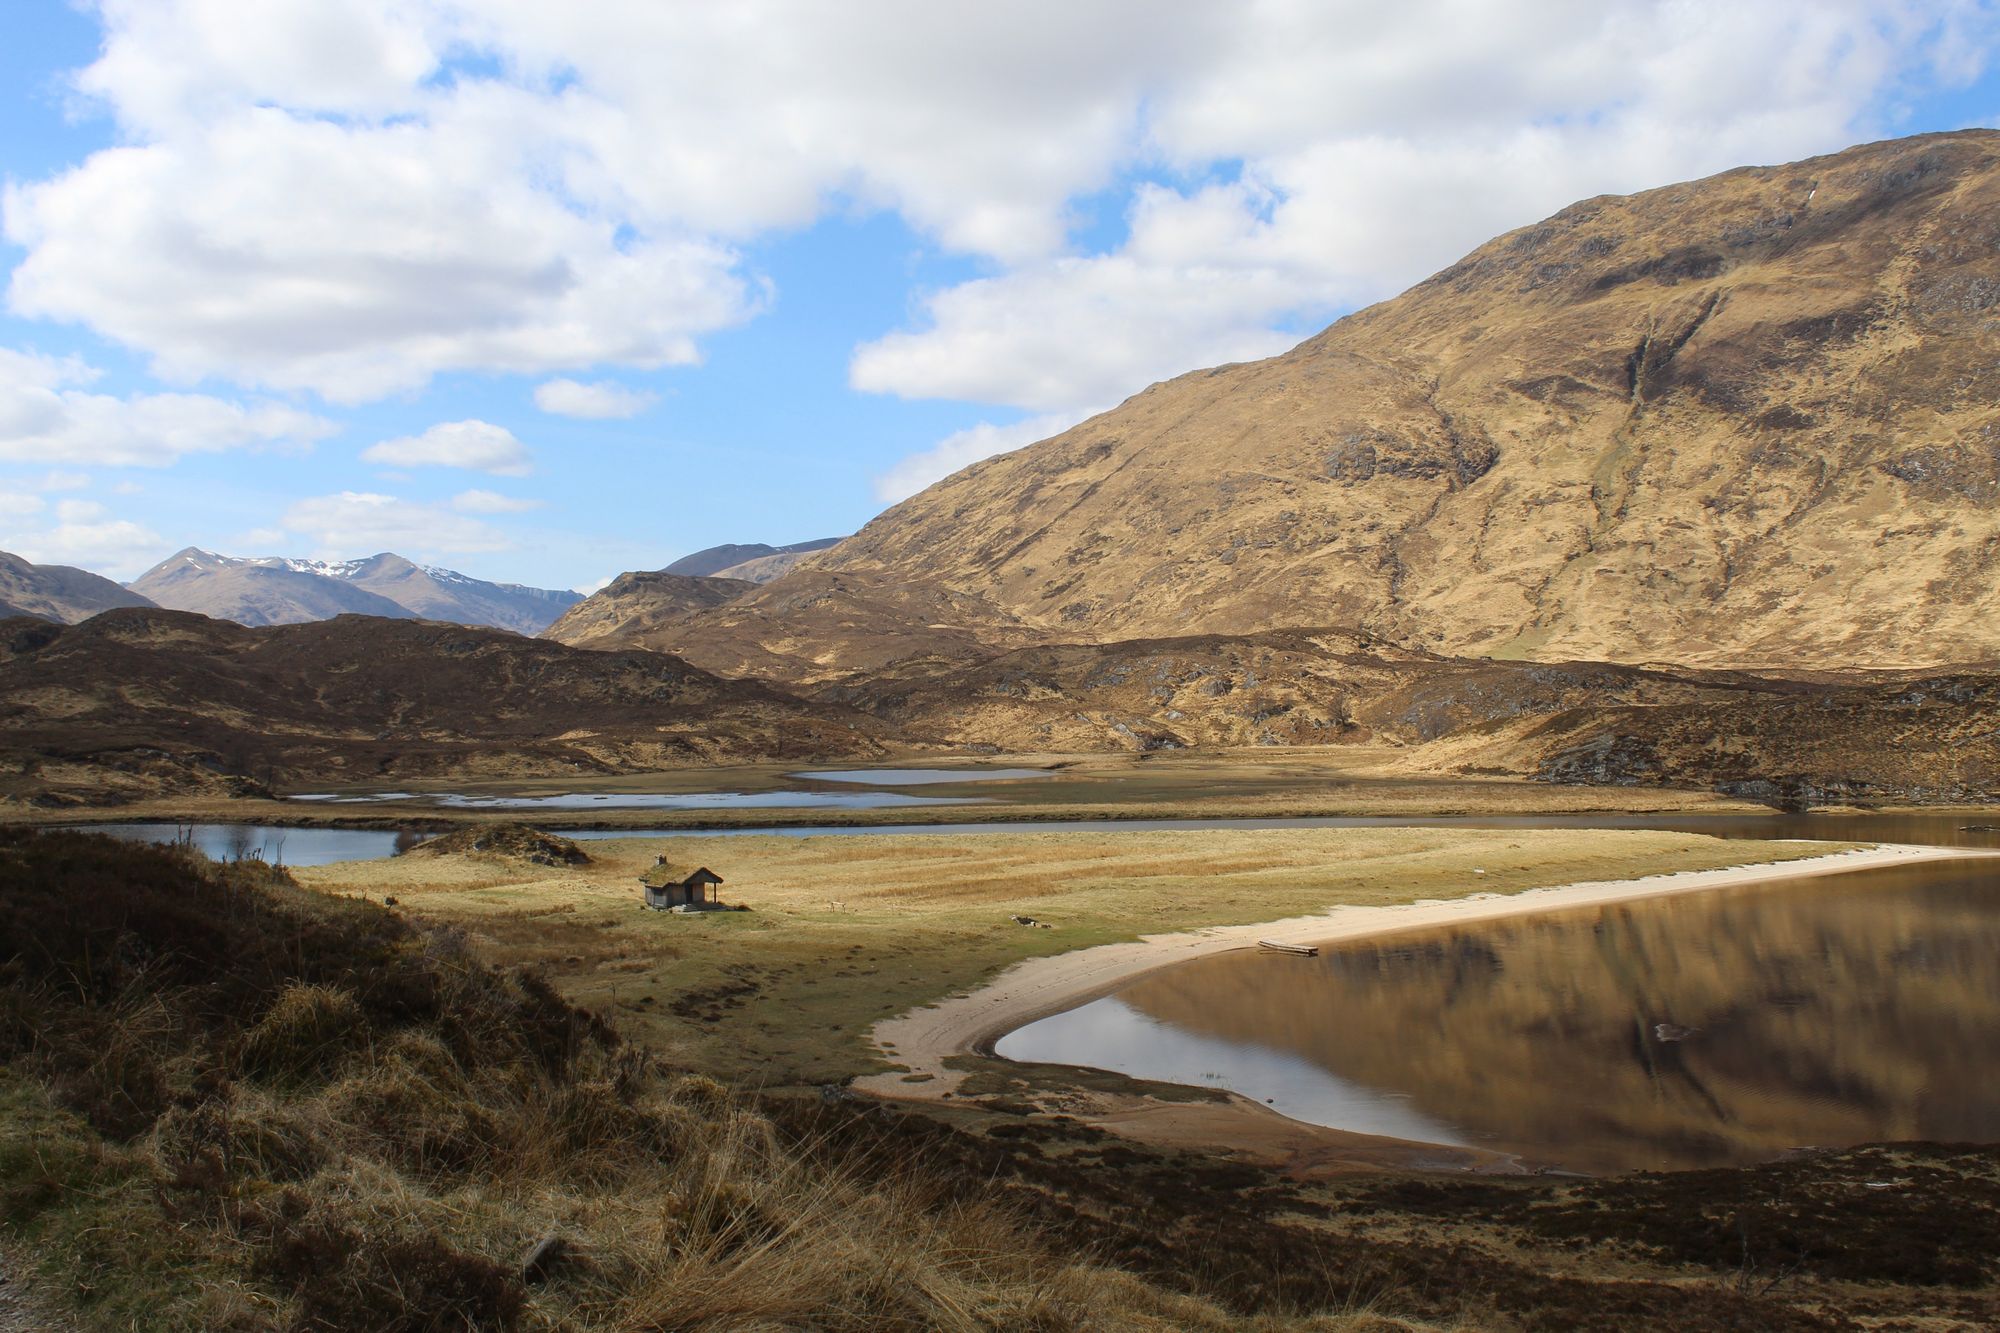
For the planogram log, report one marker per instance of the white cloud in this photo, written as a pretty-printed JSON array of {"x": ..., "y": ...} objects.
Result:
[
  {"x": 1374, "y": 148},
  {"x": 86, "y": 536},
  {"x": 64, "y": 481},
  {"x": 355, "y": 523},
  {"x": 352, "y": 198},
  {"x": 491, "y": 502},
  {"x": 588, "y": 588},
  {"x": 20, "y": 504},
  {"x": 46, "y": 418},
  {"x": 477, "y": 445},
  {"x": 964, "y": 448},
  {"x": 601, "y": 400}
]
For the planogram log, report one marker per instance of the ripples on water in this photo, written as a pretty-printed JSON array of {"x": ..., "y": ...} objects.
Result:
[{"x": 1706, "y": 1029}]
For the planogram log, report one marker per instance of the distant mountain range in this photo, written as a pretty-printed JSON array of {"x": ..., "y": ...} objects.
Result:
[{"x": 274, "y": 590}]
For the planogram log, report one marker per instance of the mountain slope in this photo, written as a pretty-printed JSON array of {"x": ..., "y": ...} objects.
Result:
[
  {"x": 273, "y": 590},
  {"x": 443, "y": 594},
  {"x": 630, "y": 611},
  {"x": 144, "y": 701},
  {"x": 58, "y": 592},
  {"x": 1752, "y": 420}
]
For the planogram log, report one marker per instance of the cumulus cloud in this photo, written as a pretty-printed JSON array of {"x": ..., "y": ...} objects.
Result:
[
  {"x": 339, "y": 526},
  {"x": 354, "y": 197},
  {"x": 479, "y": 446},
  {"x": 962, "y": 449},
  {"x": 1370, "y": 150},
  {"x": 47, "y": 417},
  {"x": 491, "y": 502},
  {"x": 84, "y": 534},
  {"x": 601, "y": 400}
]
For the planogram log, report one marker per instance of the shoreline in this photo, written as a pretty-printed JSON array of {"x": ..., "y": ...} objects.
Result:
[{"x": 921, "y": 1041}]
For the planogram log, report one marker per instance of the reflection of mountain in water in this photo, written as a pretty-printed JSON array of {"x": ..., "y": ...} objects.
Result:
[{"x": 1719, "y": 1027}]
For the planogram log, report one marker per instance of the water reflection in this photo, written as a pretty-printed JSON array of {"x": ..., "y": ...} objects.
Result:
[
  {"x": 272, "y": 843},
  {"x": 1709, "y": 1029}
]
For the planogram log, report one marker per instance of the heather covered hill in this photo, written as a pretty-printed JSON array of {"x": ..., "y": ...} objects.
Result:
[
  {"x": 141, "y": 701},
  {"x": 1752, "y": 420},
  {"x": 1789, "y": 740},
  {"x": 816, "y": 626}
]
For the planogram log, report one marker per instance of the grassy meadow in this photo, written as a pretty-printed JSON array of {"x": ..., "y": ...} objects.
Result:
[{"x": 849, "y": 929}]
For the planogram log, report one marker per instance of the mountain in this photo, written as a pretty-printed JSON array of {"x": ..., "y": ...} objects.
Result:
[
  {"x": 629, "y": 611},
  {"x": 443, "y": 594},
  {"x": 724, "y": 560},
  {"x": 273, "y": 590},
  {"x": 356, "y": 699},
  {"x": 57, "y": 592},
  {"x": 1753, "y": 420},
  {"x": 267, "y": 591}
]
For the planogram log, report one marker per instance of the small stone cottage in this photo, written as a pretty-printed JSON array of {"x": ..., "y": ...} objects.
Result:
[{"x": 675, "y": 888}]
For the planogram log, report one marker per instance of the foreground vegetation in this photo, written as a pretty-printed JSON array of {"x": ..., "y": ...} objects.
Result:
[{"x": 230, "y": 1102}]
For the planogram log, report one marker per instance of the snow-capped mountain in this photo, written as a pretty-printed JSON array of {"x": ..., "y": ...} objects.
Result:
[{"x": 279, "y": 590}]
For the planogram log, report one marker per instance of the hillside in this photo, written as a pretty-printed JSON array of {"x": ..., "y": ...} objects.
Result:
[
  {"x": 274, "y": 590},
  {"x": 813, "y": 626},
  {"x": 58, "y": 592},
  {"x": 1753, "y": 420},
  {"x": 144, "y": 701},
  {"x": 1788, "y": 740},
  {"x": 631, "y": 610}
]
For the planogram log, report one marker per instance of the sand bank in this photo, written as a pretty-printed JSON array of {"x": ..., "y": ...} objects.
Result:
[{"x": 923, "y": 1039}]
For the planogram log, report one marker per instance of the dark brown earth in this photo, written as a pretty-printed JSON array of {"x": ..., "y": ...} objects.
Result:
[
  {"x": 148, "y": 702},
  {"x": 1799, "y": 740}
]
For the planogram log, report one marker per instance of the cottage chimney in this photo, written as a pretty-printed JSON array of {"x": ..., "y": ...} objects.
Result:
[{"x": 660, "y": 860}]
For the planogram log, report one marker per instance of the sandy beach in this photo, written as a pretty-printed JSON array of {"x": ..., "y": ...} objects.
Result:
[{"x": 922, "y": 1040}]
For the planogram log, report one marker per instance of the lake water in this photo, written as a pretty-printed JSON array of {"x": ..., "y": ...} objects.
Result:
[
  {"x": 697, "y": 800},
  {"x": 1707, "y": 1029},
  {"x": 320, "y": 846},
  {"x": 267, "y": 842}
]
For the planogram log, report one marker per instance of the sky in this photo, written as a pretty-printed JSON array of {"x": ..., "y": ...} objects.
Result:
[{"x": 546, "y": 292}]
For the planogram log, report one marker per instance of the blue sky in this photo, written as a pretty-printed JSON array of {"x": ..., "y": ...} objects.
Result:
[{"x": 594, "y": 290}]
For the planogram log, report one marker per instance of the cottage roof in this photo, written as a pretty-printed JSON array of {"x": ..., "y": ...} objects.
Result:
[{"x": 662, "y": 875}]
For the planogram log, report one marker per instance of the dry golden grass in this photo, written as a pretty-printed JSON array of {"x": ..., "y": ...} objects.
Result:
[{"x": 848, "y": 930}]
